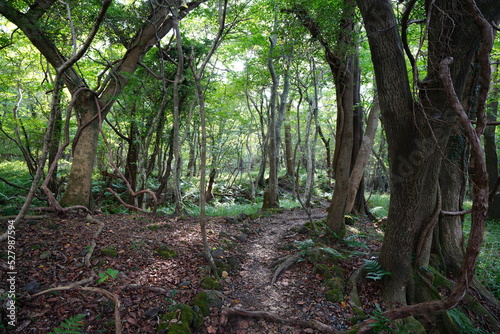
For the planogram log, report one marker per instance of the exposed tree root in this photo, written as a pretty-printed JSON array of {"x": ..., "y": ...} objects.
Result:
[
  {"x": 93, "y": 243},
  {"x": 353, "y": 282},
  {"x": 285, "y": 264},
  {"x": 111, "y": 296},
  {"x": 314, "y": 324},
  {"x": 288, "y": 261}
]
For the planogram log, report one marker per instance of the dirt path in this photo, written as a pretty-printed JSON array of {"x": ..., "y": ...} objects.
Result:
[{"x": 252, "y": 289}]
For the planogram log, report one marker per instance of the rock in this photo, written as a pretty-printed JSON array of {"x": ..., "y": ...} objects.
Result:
[
  {"x": 184, "y": 284},
  {"x": 206, "y": 300},
  {"x": 233, "y": 262},
  {"x": 152, "y": 312},
  {"x": 110, "y": 251},
  {"x": 335, "y": 293},
  {"x": 241, "y": 237},
  {"x": 209, "y": 283},
  {"x": 31, "y": 287},
  {"x": 45, "y": 255},
  {"x": 222, "y": 266},
  {"x": 180, "y": 319},
  {"x": 218, "y": 253},
  {"x": 166, "y": 252}
]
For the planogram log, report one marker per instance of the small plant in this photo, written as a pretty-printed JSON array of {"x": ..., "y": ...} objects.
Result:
[
  {"x": 110, "y": 273},
  {"x": 464, "y": 324},
  {"x": 352, "y": 242},
  {"x": 374, "y": 270},
  {"x": 72, "y": 325},
  {"x": 382, "y": 324},
  {"x": 305, "y": 244}
]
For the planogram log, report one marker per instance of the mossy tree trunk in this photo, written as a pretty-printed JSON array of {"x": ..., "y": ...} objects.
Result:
[{"x": 418, "y": 129}]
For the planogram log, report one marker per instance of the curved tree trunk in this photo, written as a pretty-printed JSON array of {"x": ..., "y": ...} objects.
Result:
[{"x": 417, "y": 131}]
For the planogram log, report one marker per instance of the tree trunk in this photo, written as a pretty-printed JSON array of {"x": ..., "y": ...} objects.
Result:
[
  {"x": 328, "y": 162},
  {"x": 54, "y": 147},
  {"x": 490, "y": 151},
  {"x": 342, "y": 68},
  {"x": 271, "y": 199},
  {"x": 366, "y": 145},
  {"x": 132, "y": 159},
  {"x": 416, "y": 131},
  {"x": 79, "y": 188},
  {"x": 288, "y": 144}
]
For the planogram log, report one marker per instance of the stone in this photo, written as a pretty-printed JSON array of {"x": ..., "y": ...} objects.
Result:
[
  {"x": 31, "y": 287},
  {"x": 166, "y": 252},
  {"x": 45, "y": 255},
  {"x": 111, "y": 252}
]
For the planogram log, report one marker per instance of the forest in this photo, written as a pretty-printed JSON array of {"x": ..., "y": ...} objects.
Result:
[{"x": 249, "y": 166}]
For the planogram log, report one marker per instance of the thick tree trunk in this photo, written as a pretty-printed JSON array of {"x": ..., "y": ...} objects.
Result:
[
  {"x": 79, "y": 188},
  {"x": 416, "y": 132}
]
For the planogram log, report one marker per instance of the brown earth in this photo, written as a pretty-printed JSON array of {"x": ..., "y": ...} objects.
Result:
[{"x": 51, "y": 253}]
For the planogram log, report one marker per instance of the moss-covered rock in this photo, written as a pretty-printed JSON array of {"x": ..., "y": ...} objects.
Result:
[
  {"x": 349, "y": 220},
  {"x": 233, "y": 262},
  {"x": 166, "y": 252},
  {"x": 209, "y": 283},
  {"x": 222, "y": 266},
  {"x": 180, "y": 319},
  {"x": 335, "y": 293},
  {"x": 206, "y": 300},
  {"x": 109, "y": 251}
]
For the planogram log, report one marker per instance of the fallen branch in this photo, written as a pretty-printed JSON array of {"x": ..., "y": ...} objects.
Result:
[
  {"x": 314, "y": 324},
  {"x": 111, "y": 296}
]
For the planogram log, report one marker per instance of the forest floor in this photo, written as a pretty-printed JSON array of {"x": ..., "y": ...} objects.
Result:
[{"x": 150, "y": 263}]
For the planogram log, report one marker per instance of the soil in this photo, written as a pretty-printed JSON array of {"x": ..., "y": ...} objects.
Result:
[{"x": 51, "y": 252}]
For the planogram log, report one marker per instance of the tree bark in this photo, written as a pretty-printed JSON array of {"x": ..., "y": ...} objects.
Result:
[
  {"x": 416, "y": 130},
  {"x": 271, "y": 199}
]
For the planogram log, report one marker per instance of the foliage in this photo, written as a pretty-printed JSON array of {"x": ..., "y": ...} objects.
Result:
[
  {"x": 464, "y": 324},
  {"x": 73, "y": 325},
  {"x": 352, "y": 242},
  {"x": 382, "y": 324},
  {"x": 374, "y": 270},
  {"x": 110, "y": 273}
]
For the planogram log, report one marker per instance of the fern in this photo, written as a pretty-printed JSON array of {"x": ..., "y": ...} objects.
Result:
[
  {"x": 351, "y": 242},
  {"x": 331, "y": 251},
  {"x": 304, "y": 245},
  {"x": 382, "y": 324},
  {"x": 374, "y": 270},
  {"x": 464, "y": 324},
  {"x": 72, "y": 325}
]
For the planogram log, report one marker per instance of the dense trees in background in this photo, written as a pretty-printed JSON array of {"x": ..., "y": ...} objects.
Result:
[{"x": 166, "y": 105}]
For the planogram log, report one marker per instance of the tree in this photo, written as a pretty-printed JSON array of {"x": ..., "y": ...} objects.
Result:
[
  {"x": 87, "y": 102},
  {"x": 340, "y": 57},
  {"x": 420, "y": 127}
]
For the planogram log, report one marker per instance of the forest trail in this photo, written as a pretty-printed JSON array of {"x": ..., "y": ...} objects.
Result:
[
  {"x": 153, "y": 263},
  {"x": 252, "y": 288}
]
